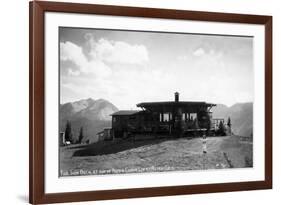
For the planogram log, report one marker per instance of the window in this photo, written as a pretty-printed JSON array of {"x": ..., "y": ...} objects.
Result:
[
  {"x": 166, "y": 117},
  {"x": 193, "y": 116},
  {"x": 184, "y": 116}
]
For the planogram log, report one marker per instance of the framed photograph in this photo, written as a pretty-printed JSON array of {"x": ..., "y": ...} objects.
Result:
[{"x": 139, "y": 102}]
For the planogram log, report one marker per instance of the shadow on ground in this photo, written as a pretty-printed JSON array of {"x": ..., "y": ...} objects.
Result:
[{"x": 111, "y": 147}]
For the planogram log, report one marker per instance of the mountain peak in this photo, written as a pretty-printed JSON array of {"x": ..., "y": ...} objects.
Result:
[
  {"x": 90, "y": 99},
  {"x": 101, "y": 100},
  {"x": 241, "y": 115},
  {"x": 88, "y": 108},
  {"x": 92, "y": 115}
]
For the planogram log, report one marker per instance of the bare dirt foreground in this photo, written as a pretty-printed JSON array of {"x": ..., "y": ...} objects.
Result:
[{"x": 125, "y": 156}]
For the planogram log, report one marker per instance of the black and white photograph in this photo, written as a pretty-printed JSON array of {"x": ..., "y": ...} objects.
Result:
[{"x": 148, "y": 101}]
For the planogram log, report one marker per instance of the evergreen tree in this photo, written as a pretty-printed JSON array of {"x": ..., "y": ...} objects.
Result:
[
  {"x": 68, "y": 132},
  {"x": 221, "y": 130},
  {"x": 229, "y": 126},
  {"x": 81, "y": 135},
  {"x": 228, "y": 122}
]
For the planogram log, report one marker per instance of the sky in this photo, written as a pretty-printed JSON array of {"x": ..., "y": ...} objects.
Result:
[{"x": 129, "y": 67}]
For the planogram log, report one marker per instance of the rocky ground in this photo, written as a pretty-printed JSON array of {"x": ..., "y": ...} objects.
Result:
[{"x": 127, "y": 156}]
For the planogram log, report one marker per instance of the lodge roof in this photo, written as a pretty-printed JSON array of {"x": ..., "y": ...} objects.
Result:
[
  {"x": 172, "y": 103},
  {"x": 125, "y": 112}
]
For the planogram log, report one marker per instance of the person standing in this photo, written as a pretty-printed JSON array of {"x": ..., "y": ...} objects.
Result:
[{"x": 204, "y": 141}]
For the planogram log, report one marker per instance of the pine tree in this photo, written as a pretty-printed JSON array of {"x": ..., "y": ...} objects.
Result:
[
  {"x": 221, "y": 130},
  {"x": 81, "y": 135},
  {"x": 228, "y": 122},
  {"x": 229, "y": 126},
  {"x": 68, "y": 132}
]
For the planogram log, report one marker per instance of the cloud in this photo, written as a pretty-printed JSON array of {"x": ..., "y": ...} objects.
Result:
[
  {"x": 125, "y": 73},
  {"x": 117, "y": 51},
  {"x": 71, "y": 86},
  {"x": 102, "y": 55},
  {"x": 199, "y": 52},
  {"x": 182, "y": 57},
  {"x": 94, "y": 67},
  {"x": 71, "y": 52},
  {"x": 73, "y": 73}
]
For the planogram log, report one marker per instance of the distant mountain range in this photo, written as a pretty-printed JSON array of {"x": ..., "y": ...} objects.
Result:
[
  {"x": 241, "y": 115},
  {"x": 94, "y": 115}
]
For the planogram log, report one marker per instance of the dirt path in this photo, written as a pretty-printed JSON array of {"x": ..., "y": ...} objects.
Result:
[{"x": 157, "y": 155}]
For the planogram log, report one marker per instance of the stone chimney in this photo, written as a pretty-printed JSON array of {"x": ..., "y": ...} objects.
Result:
[{"x": 177, "y": 97}]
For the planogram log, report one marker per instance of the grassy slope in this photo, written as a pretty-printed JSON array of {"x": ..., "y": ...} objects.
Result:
[{"x": 140, "y": 156}]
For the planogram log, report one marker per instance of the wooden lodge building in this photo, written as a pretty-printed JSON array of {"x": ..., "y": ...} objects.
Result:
[{"x": 171, "y": 118}]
